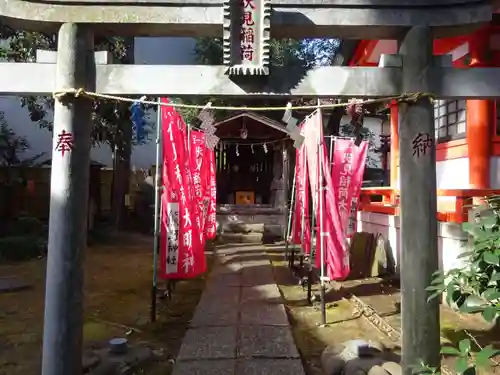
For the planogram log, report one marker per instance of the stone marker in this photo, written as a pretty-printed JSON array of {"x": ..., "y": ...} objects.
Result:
[
  {"x": 392, "y": 368},
  {"x": 377, "y": 370},
  {"x": 355, "y": 357}
]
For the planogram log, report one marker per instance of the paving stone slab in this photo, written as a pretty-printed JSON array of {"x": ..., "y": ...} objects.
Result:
[
  {"x": 263, "y": 314},
  {"x": 229, "y": 258},
  {"x": 220, "y": 293},
  {"x": 213, "y": 367},
  {"x": 266, "y": 341},
  {"x": 270, "y": 367},
  {"x": 228, "y": 267},
  {"x": 209, "y": 343},
  {"x": 260, "y": 275},
  {"x": 263, "y": 293},
  {"x": 215, "y": 312},
  {"x": 225, "y": 279}
]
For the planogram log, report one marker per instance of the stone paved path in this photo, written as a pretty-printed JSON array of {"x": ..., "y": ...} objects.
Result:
[{"x": 240, "y": 326}]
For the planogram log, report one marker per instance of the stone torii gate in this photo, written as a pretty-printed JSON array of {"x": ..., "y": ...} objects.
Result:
[{"x": 245, "y": 73}]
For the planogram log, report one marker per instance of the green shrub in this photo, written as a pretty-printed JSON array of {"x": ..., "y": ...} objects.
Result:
[
  {"x": 18, "y": 248},
  {"x": 473, "y": 288},
  {"x": 26, "y": 225}
]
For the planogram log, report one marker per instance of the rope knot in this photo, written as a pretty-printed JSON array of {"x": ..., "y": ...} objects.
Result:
[
  {"x": 415, "y": 97},
  {"x": 79, "y": 92},
  {"x": 61, "y": 94}
]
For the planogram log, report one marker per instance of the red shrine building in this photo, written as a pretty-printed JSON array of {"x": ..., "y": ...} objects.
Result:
[{"x": 467, "y": 150}]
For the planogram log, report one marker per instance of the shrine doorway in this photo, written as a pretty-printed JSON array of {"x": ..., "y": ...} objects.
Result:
[{"x": 252, "y": 160}]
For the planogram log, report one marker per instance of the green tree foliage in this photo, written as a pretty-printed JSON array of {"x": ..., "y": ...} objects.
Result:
[
  {"x": 111, "y": 123},
  {"x": 13, "y": 163},
  {"x": 109, "y": 118},
  {"x": 289, "y": 53},
  {"x": 473, "y": 288},
  {"x": 12, "y": 147}
]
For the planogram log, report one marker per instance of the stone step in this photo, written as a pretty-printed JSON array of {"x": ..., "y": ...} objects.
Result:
[
  {"x": 251, "y": 219},
  {"x": 242, "y": 237},
  {"x": 249, "y": 210},
  {"x": 274, "y": 230},
  {"x": 243, "y": 228}
]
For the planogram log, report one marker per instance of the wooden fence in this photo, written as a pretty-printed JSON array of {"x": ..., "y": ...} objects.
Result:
[{"x": 30, "y": 192}]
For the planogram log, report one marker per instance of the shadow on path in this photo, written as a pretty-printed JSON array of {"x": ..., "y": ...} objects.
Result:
[{"x": 240, "y": 325}]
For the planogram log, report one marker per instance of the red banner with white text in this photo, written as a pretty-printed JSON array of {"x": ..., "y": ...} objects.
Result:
[
  {"x": 348, "y": 168},
  {"x": 212, "y": 206},
  {"x": 301, "y": 208},
  {"x": 199, "y": 163},
  {"x": 336, "y": 251},
  {"x": 329, "y": 233},
  {"x": 182, "y": 254}
]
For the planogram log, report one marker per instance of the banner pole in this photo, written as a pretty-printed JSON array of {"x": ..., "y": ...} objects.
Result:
[
  {"x": 331, "y": 152},
  {"x": 291, "y": 258},
  {"x": 321, "y": 233},
  {"x": 313, "y": 254},
  {"x": 303, "y": 226},
  {"x": 303, "y": 208},
  {"x": 289, "y": 224},
  {"x": 188, "y": 126},
  {"x": 157, "y": 212}
]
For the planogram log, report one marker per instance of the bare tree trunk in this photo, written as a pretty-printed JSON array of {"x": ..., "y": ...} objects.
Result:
[{"x": 122, "y": 156}]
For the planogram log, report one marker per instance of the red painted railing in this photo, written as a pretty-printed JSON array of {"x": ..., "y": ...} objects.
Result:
[{"x": 385, "y": 200}]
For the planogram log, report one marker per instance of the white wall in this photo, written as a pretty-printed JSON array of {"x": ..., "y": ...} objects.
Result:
[
  {"x": 495, "y": 172},
  {"x": 453, "y": 174},
  {"x": 153, "y": 51},
  {"x": 452, "y": 241}
]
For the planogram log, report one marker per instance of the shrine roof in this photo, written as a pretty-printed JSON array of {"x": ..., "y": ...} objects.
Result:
[
  {"x": 257, "y": 117},
  {"x": 274, "y": 126}
]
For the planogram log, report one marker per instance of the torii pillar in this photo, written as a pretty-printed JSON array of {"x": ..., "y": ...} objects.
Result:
[
  {"x": 69, "y": 191},
  {"x": 419, "y": 250}
]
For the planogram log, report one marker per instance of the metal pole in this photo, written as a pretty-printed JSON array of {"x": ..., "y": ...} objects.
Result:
[
  {"x": 291, "y": 259},
  {"x": 69, "y": 196},
  {"x": 157, "y": 217},
  {"x": 419, "y": 250},
  {"x": 189, "y": 139},
  {"x": 303, "y": 209},
  {"x": 330, "y": 157},
  {"x": 309, "y": 286},
  {"x": 303, "y": 228},
  {"x": 321, "y": 234},
  {"x": 289, "y": 224},
  {"x": 311, "y": 240}
]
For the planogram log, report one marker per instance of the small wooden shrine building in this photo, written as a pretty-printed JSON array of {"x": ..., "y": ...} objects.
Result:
[{"x": 253, "y": 160}]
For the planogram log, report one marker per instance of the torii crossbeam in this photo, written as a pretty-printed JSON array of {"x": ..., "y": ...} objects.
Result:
[
  {"x": 414, "y": 70},
  {"x": 193, "y": 80}
]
